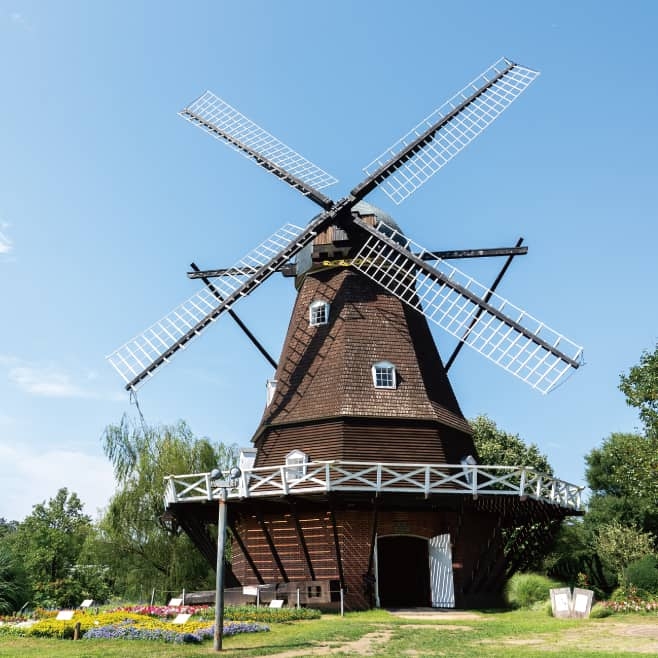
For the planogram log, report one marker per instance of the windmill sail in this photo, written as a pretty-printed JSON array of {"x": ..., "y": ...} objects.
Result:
[
  {"x": 409, "y": 163},
  {"x": 224, "y": 122},
  {"x": 141, "y": 356},
  {"x": 500, "y": 331}
]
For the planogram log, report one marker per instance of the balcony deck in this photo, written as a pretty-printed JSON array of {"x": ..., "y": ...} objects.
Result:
[{"x": 325, "y": 477}]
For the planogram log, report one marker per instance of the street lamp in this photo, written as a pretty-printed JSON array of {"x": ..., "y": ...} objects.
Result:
[{"x": 223, "y": 486}]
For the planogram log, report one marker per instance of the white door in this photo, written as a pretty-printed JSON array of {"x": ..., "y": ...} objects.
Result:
[{"x": 441, "y": 582}]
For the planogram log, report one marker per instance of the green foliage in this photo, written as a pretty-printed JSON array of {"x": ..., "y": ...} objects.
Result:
[
  {"x": 619, "y": 545},
  {"x": 268, "y": 615},
  {"x": 48, "y": 543},
  {"x": 623, "y": 475},
  {"x": 575, "y": 562},
  {"x": 497, "y": 447},
  {"x": 524, "y": 590},
  {"x": 599, "y": 611},
  {"x": 640, "y": 386},
  {"x": 139, "y": 552},
  {"x": 643, "y": 574},
  {"x": 13, "y": 583}
]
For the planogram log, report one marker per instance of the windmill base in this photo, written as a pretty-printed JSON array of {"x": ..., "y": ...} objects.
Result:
[{"x": 398, "y": 551}]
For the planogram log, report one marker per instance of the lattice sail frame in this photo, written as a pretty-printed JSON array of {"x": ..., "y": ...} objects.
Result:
[
  {"x": 139, "y": 355},
  {"x": 458, "y": 132},
  {"x": 488, "y": 328},
  {"x": 231, "y": 122}
]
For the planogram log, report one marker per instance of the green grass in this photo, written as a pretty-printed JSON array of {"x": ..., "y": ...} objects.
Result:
[{"x": 517, "y": 634}]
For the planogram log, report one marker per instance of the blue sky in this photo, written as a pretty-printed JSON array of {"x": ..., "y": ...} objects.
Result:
[{"x": 106, "y": 196}]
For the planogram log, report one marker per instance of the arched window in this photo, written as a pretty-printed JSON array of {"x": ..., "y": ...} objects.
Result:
[
  {"x": 384, "y": 375},
  {"x": 296, "y": 465},
  {"x": 318, "y": 313}
]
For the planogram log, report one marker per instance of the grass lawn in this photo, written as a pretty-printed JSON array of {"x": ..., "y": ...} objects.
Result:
[{"x": 518, "y": 634}]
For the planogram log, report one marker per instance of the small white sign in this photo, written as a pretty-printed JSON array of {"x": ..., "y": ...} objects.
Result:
[
  {"x": 174, "y": 603},
  {"x": 181, "y": 619},
  {"x": 562, "y": 603},
  {"x": 86, "y": 603},
  {"x": 250, "y": 591},
  {"x": 581, "y": 603},
  {"x": 65, "y": 615},
  {"x": 276, "y": 603}
]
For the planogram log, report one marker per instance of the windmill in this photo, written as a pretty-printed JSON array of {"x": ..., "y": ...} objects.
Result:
[{"x": 360, "y": 386}]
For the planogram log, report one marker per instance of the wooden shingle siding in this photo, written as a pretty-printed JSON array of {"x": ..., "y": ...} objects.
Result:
[{"x": 326, "y": 404}]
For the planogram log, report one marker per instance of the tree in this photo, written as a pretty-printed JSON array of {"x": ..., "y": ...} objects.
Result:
[
  {"x": 623, "y": 476},
  {"x": 48, "y": 543},
  {"x": 525, "y": 546},
  {"x": 13, "y": 583},
  {"x": 139, "y": 550},
  {"x": 497, "y": 447},
  {"x": 640, "y": 386},
  {"x": 619, "y": 545}
]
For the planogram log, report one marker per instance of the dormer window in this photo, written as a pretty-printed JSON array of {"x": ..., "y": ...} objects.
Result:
[
  {"x": 384, "y": 375},
  {"x": 318, "y": 313},
  {"x": 296, "y": 465}
]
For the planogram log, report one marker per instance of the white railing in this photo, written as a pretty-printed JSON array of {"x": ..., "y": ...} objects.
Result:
[{"x": 348, "y": 476}]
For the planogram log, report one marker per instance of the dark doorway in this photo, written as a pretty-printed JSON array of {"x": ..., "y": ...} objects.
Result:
[{"x": 403, "y": 576}]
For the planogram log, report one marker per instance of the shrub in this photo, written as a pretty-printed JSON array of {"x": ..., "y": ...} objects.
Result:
[
  {"x": 269, "y": 615},
  {"x": 524, "y": 590},
  {"x": 643, "y": 574},
  {"x": 600, "y": 611}
]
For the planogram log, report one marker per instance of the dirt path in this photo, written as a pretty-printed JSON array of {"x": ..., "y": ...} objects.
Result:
[
  {"x": 613, "y": 637},
  {"x": 364, "y": 646}
]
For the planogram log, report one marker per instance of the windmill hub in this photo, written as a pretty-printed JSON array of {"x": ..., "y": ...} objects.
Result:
[{"x": 338, "y": 243}]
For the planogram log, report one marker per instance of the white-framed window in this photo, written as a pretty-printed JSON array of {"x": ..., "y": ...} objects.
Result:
[
  {"x": 318, "y": 313},
  {"x": 384, "y": 375},
  {"x": 296, "y": 465}
]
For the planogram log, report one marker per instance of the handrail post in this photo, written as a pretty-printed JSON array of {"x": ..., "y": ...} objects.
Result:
[
  {"x": 284, "y": 479},
  {"x": 523, "y": 481},
  {"x": 208, "y": 486}
]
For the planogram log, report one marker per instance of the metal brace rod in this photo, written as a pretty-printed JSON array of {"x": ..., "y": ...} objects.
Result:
[
  {"x": 235, "y": 317},
  {"x": 486, "y": 298}
]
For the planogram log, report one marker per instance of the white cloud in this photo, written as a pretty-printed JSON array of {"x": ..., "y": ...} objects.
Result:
[
  {"x": 30, "y": 476},
  {"x": 19, "y": 19},
  {"x": 51, "y": 381},
  {"x": 46, "y": 382},
  {"x": 6, "y": 245}
]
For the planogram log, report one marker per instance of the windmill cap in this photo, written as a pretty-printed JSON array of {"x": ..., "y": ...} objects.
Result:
[{"x": 364, "y": 209}]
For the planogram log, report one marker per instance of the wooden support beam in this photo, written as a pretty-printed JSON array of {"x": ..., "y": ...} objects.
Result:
[
  {"x": 247, "y": 555},
  {"x": 339, "y": 559},
  {"x": 373, "y": 536},
  {"x": 270, "y": 543},
  {"x": 302, "y": 539}
]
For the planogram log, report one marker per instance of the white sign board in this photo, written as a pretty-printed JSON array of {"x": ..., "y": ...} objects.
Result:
[
  {"x": 568, "y": 605},
  {"x": 174, "y": 603},
  {"x": 181, "y": 619},
  {"x": 276, "y": 603},
  {"x": 86, "y": 603},
  {"x": 250, "y": 591},
  {"x": 65, "y": 615}
]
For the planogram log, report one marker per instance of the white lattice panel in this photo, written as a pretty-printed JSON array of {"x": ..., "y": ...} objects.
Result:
[
  {"x": 226, "y": 120},
  {"x": 499, "y": 330},
  {"x": 140, "y": 353},
  {"x": 459, "y": 131}
]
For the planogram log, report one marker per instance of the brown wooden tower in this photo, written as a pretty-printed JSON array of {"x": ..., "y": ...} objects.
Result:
[{"x": 363, "y": 480}]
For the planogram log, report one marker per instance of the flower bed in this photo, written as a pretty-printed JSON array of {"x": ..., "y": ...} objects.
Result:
[
  {"x": 631, "y": 604},
  {"x": 125, "y": 624}
]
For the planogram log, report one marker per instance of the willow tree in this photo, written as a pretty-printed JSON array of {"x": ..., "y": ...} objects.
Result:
[{"x": 141, "y": 552}]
